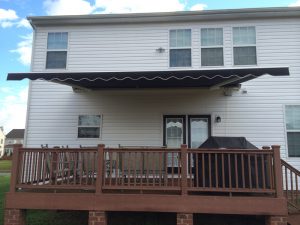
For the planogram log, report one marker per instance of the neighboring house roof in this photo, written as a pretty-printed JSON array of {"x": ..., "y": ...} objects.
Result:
[
  {"x": 16, "y": 134},
  {"x": 184, "y": 16},
  {"x": 9, "y": 146}
]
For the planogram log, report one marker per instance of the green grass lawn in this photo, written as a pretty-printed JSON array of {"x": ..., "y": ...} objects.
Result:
[
  {"x": 4, "y": 187},
  {"x": 43, "y": 217},
  {"x": 5, "y": 165}
]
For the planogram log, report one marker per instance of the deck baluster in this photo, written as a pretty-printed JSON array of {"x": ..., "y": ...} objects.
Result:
[
  {"x": 183, "y": 163},
  {"x": 100, "y": 174}
]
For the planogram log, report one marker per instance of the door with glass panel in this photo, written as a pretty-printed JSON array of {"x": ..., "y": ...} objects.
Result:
[
  {"x": 174, "y": 136},
  {"x": 198, "y": 130}
]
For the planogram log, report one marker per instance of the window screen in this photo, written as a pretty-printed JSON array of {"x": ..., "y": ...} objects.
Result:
[
  {"x": 212, "y": 47},
  {"x": 57, "y": 44},
  {"x": 244, "y": 46},
  {"x": 180, "y": 48},
  {"x": 292, "y": 113},
  {"x": 89, "y": 126}
]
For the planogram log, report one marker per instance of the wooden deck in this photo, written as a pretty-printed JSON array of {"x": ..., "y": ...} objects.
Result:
[{"x": 148, "y": 179}]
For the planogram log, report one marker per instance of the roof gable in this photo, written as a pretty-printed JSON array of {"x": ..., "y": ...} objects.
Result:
[{"x": 16, "y": 133}]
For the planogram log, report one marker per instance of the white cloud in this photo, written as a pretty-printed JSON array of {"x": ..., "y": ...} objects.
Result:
[
  {"x": 24, "y": 49},
  {"x": 24, "y": 23},
  {"x": 67, "y": 7},
  {"x": 133, "y": 6},
  {"x": 8, "y": 14},
  {"x": 7, "y": 17},
  {"x": 13, "y": 110},
  {"x": 73, "y": 7},
  {"x": 6, "y": 24},
  {"x": 297, "y": 3},
  {"x": 5, "y": 90},
  {"x": 198, "y": 6}
]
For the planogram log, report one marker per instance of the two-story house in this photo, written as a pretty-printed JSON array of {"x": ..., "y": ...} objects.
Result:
[
  {"x": 152, "y": 87},
  {"x": 15, "y": 136}
]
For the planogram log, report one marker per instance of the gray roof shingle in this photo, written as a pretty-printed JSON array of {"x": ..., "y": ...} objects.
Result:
[{"x": 16, "y": 133}]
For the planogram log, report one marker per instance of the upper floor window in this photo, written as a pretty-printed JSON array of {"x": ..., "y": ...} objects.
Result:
[
  {"x": 89, "y": 126},
  {"x": 292, "y": 114},
  {"x": 244, "y": 46},
  {"x": 57, "y": 45},
  {"x": 180, "y": 48},
  {"x": 212, "y": 47}
]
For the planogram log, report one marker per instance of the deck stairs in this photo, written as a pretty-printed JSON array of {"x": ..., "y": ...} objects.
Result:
[{"x": 291, "y": 186}]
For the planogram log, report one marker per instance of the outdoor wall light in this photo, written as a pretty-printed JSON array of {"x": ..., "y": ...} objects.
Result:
[
  {"x": 218, "y": 119},
  {"x": 160, "y": 50}
]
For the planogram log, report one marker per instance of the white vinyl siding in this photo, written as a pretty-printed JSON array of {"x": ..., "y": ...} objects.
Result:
[
  {"x": 135, "y": 117},
  {"x": 244, "y": 46}
]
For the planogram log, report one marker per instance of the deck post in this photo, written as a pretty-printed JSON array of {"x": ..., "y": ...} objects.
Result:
[
  {"x": 100, "y": 174},
  {"x": 97, "y": 218},
  {"x": 277, "y": 171},
  {"x": 276, "y": 220},
  {"x": 15, "y": 167},
  {"x": 14, "y": 217},
  {"x": 185, "y": 219},
  {"x": 184, "y": 171}
]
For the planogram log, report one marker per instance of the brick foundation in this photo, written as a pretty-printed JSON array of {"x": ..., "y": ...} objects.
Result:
[
  {"x": 184, "y": 219},
  {"x": 14, "y": 217},
  {"x": 97, "y": 218},
  {"x": 276, "y": 220}
]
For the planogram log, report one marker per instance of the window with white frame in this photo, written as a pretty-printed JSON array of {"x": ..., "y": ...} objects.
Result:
[
  {"x": 180, "y": 48},
  {"x": 244, "y": 46},
  {"x": 89, "y": 126},
  {"x": 57, "y": 45},
  {"x": 292, "y": 114},
  {"x": 212, "y": 47}
]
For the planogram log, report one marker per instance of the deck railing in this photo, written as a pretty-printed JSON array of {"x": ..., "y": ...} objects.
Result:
[
  {"x": 178, "y": 171},
  {"x": 291, "y": 183},
  {"x": 56, "y": 168}
]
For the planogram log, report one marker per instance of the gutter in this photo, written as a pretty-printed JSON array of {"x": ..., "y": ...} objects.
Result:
[{"x": 183, "y": 16}]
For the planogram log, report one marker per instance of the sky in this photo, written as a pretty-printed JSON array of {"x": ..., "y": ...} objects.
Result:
[{"x": 16, "y": 36}]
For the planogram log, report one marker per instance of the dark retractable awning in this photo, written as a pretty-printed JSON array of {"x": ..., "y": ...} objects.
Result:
[{"x": 153, "y": 79}]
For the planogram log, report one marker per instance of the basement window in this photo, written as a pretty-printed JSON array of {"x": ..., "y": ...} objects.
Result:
[
  {"x": 89, "y": 126},
  {"x": 292, "y": 114}
]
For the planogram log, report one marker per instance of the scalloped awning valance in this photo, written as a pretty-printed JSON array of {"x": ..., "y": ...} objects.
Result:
[{"x": 208, "y": 78}]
